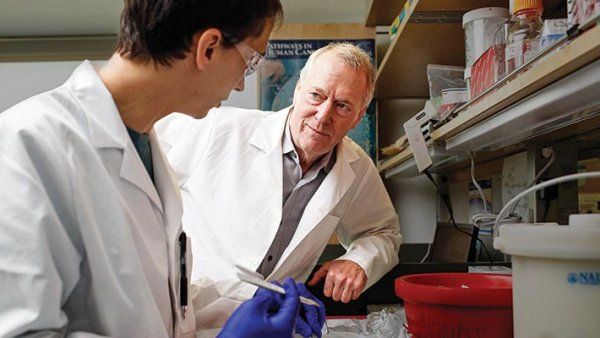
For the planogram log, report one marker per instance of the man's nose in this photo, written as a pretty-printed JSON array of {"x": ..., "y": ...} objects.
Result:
[
  {"x": 325, "y": 112},
  {"x": 240, "y": 85}
]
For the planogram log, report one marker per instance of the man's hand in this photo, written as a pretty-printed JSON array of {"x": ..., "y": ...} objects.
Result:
[{"x": 344, "y": 280}]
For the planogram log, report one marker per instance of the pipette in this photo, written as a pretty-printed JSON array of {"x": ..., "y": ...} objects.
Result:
[{"x": 257, "y": 280}]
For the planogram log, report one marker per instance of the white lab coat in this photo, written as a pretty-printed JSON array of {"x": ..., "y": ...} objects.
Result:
[
  {"x": 229, "y": 167},
  {"x": 88, "y": 245}
]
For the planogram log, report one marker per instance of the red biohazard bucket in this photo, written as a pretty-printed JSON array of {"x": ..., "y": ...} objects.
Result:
[{"x": 453, "y": 305}]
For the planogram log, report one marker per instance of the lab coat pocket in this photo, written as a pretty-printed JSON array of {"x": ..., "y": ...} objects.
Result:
[{"x": 187, "y": 320}]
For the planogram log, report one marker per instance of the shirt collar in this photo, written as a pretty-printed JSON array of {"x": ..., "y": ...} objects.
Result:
[
  {"x": 138, "y": 138},
  {"x": 329, "y": 160},
  {"x": 326, "y": 161},
  {"x": 288, "y": 145}
]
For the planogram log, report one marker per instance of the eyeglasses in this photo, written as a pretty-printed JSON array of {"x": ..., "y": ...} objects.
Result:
[{"x": 251, "y": 57}]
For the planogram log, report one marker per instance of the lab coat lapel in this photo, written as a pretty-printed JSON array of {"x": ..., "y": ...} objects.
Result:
[
  {"x": 165, "y": 182},
  {"x": 133, "y": 171},
  {"x": 329, "y": 194},
  {"x": 106, "y": 127},
  {"x": 269, "y": 164}
]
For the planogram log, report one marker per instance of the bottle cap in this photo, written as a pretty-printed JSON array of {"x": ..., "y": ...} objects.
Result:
[{"x": 519, "y": 5}]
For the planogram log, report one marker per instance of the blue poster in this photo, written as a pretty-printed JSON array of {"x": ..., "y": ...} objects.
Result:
[{"x": 281, "y": 70}]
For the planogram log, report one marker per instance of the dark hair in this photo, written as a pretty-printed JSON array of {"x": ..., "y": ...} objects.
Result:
[{"x": 162, "y": 30}]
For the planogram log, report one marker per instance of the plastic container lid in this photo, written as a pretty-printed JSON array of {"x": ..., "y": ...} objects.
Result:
[
  {"x": 589, "y": 220},
  {"x": 484, "y": 13},
  {"x": 578, "y": 241}
]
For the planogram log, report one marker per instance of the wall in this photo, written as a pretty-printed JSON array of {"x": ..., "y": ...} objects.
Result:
[
  {"x": 415, "y": 199},
  {"x": 20, "y": 80}
]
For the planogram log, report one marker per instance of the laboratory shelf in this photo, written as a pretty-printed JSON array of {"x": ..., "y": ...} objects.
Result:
[
  {"x": 301, "y": 31},
  {"x": 383, "y": 12},
  {"x": 571, "y": 100},
  {"x": 453, "y": 161},
  {"x": 577, "y": 53},
  {"x": 395, "y": 148},
  {"x": 558, "y": 97},
  {"x": 430, "y": 33},
  {"x": 395, "y": 160},
  {"x": 439, "y": 155}
]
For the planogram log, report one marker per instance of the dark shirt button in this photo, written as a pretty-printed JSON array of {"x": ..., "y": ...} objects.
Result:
[{"x": 270, "y": 258}]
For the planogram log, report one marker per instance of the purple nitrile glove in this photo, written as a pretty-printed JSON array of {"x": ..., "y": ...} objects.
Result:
[
  {"x": 311, "y": 318},
  {"x": 267, "y": 314}
]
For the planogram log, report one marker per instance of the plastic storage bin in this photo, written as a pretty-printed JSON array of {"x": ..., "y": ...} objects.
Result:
[
  {"x": 556, "y": 277},
  {"x": 456, "y": 305}
]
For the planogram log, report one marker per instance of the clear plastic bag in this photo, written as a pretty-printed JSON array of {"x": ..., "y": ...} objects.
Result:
[
  {"x": 443, "y": 79},
  {"x": 389, "y": 322}
]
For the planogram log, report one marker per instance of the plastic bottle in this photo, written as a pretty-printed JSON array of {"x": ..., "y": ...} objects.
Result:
[{"x": 523, "y": 41}]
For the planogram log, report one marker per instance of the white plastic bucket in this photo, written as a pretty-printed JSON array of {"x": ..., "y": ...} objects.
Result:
[
  {"x": 556, "y": 277},
  {"x": 480, "y": 26}
]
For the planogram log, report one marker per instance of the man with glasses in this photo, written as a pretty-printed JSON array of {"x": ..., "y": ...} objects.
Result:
[
  {"x": 252, "y": 58},
  {"x": 267, "y": 190},
  {"x": 91, "y": 241}
]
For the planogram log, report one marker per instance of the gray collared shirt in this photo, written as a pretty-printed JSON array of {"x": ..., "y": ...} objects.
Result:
[
  {"x": 298, "y": 190},
  {"x": 292, "y": 171}
]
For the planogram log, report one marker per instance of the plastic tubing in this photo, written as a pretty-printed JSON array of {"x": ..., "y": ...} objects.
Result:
[{"x": 561, "y": 179}]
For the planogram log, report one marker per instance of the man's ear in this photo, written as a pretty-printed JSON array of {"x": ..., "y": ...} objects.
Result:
[{"x": 206, "y": 44}]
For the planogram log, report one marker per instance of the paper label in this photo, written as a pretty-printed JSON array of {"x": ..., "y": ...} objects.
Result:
[
  {"x": 514, "y": 50},
  {"x": 514, "y": 56},
  {"x": 531, "y": 48}
]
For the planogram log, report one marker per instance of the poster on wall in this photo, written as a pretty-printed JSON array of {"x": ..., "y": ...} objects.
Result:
[{"x": 280, "y": 72}]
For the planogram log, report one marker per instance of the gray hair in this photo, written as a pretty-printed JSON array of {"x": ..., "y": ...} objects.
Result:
[{"x": 353, "y": 57}]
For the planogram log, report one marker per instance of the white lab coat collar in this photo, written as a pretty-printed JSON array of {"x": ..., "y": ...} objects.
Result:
[
  {"x": 165, "y": 143},
  {"x": 106, "y": 126},
  {"x": 268, "y": 134},
  {"x": 267, "y": 138}
]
